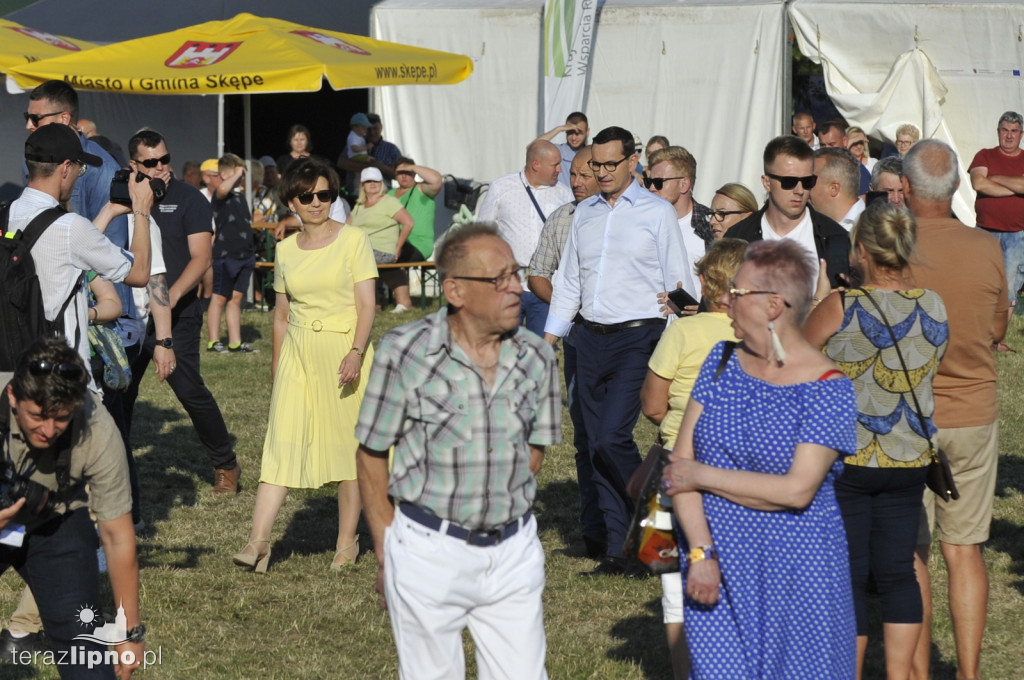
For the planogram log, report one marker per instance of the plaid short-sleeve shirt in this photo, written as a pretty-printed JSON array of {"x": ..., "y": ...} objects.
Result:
[{"x": 462, "y": 449}]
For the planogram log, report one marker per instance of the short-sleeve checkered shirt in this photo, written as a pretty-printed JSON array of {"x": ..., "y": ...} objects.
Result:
[{"x": 461, "y": 449}]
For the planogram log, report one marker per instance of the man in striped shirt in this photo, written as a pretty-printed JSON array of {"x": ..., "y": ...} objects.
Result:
[{"x": 469, "y": 401}]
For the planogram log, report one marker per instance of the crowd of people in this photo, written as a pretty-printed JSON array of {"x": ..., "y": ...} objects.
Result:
[{"x": 837, "y": 336}]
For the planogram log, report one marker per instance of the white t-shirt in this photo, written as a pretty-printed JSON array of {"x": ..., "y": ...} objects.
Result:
[
  {"x": 156, "y": 266},
  {"x": 694, "y": 247},
  {"x": 803, "y": 234}
]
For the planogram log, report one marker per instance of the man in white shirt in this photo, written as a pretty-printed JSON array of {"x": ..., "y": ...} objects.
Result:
[
  {"x": 835, "y": 193},
  {"x": 624, "y": 248},
  {"x": 803, "y": 127},
  {"x": 671, "y": 175},
  {"x": 72, "y": 244},
  {"x": 519, "y": 204},
  {"x": 788, "y": 178}
]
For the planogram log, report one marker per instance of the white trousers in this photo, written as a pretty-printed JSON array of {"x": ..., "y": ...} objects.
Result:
[{"x": 436, "y": 586}]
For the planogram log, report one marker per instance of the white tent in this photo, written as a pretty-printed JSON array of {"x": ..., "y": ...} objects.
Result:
[
  {"x": 706, "y": 74},
  {"x": 951, "y": 67}
]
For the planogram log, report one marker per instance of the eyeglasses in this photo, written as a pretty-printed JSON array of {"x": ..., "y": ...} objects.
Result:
[
  {"x": 720, "y": 214},
  {"x": 788, "y": 183},
  {"x": 324, "y": 196},
  {"x": 904, "y": 142},
  {"x": 501, "y": 282},
  {"x": 34, "y": 118},
  {"x": 740, "y": 292},
  {"x": 66, "y": 371},
  {"x": 153, "y": 162},
  {"x": 608, "y": 167},
  {"x": 657, "y": 182}
]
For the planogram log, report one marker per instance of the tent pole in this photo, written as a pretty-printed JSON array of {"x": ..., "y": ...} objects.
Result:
[
  {"x": 220, "y": 125},
  {"x": 787, "y": 70},
  {"x": 247, "y": 108}
]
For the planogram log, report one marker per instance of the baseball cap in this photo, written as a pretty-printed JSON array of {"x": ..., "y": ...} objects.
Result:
[
  {"x": 210, "y": 165},
  {"x": 56, "y": 144},
  {"x": 370, "y": 175},
  {"x": 359, "y": 119},
  {"x": 268, "y": 162}
]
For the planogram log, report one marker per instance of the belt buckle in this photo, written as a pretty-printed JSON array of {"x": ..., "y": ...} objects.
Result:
[
  {"x": 487, "y": 538},
  {"x": 317, "y": 326}
]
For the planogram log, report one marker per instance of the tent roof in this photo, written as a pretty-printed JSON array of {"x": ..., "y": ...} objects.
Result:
[
  {"x": 106, "y": 21},
  {"x": 538, "y": 4}
]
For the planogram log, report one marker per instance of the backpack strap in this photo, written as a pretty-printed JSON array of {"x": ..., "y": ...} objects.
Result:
[{"x": 39, "y": 224}]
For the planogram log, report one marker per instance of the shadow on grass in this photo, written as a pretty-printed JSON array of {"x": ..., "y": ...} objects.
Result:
[
  {"x": 1008, "y": 537},
  {"x": 9, "y": 672},
  {"x": 1011, "y": 475},
  {"x": 643, "y": 643},
  {"x": 557, "y": 507},
  {"x": 152, "y": 554},
  {"x": 313, "y": 530},
  {"x": 251, "y": 333}
]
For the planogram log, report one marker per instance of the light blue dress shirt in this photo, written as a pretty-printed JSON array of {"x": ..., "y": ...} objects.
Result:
[{"x": 616, "y": 261}]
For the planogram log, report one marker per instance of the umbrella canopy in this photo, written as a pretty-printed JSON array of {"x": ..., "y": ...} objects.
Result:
[
  {"x": 21, "y": 44},
  {"x": 244, "y": 55}
]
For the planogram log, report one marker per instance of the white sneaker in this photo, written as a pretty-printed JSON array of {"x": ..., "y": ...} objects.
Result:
[{"x": 399, "y": 309}]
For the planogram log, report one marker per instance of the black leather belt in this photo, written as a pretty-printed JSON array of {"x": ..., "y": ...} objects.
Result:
[
  {"x": 606, "y": 328},
  {"x": 482, "y": 538}
]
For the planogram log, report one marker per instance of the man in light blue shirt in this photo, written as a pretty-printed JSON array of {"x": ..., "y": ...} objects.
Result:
[{"x": 623, "y": 249}]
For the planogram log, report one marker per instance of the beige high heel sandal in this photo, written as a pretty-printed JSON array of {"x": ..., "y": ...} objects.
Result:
[
  {"x": 257, "y": 562},
  {"x": 349, "y": 554}
]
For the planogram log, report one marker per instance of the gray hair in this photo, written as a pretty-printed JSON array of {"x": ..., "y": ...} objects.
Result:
[
  {"x": 1011, "y": 117},
  {"x": 932, "y": 170},
  {"x": 452, "y": 249},
  {"x": 890, "y": 164},
  {"x": 841, "y": 166},
  {"x": 910, "y": 130}
]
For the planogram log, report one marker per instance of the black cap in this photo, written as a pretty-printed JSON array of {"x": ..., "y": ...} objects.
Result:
[{"x": 56, "y": 143}]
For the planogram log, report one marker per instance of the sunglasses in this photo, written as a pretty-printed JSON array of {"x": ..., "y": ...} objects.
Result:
[
  {"x": 153, "y": 162},
  {"x": 34, "y": 118},
  {"x": 788, "y": 183},
  {"x": 66, "y": 371},
  {"x": 740, "y": 292},
  {"x": 324, "y": 196},
  {"x": 657, "y": 182}
]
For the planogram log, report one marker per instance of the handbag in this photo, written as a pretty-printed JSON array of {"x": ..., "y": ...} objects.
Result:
[
  {"x": 651, "y": 536},
  {"x": 940, "y": 474}
]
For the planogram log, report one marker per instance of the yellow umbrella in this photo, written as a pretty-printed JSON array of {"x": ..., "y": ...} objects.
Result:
[
  {"x": 21, "y": 44},
  {"x": 244, "y": 55}
]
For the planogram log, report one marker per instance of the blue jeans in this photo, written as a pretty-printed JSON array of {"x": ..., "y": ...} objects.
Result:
[
  {"x": 58, "y": 562},
  {"x": 533, "y": 312},
  {"x": 1012, "y": 243}
]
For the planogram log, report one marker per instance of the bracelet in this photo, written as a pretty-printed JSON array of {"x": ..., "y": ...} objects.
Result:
[
  {"x": 358, "y": 351},
  {"x": 140, "y": 214},
  {"x": 92, "y": 315},
  {"x": 701, "y": 553}
]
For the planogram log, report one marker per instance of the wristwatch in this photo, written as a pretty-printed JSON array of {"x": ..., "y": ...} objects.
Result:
[
  {"x": 701, "y": 553},
  {"x": 166, "y": 342},
  {"x": 137, "y": 634}
]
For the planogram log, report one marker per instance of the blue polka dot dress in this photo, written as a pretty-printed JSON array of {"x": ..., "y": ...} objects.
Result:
[{"x": 786, "y": 610}]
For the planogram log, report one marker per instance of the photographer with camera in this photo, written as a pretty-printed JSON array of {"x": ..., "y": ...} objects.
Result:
[{"x": 57, "y": 438}]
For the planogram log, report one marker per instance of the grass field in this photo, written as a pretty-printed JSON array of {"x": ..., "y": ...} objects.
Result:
[{"x": 209, "y": 619}]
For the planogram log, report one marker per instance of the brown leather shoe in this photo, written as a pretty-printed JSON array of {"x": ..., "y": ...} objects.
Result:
[{"x": 226, "y": 481}]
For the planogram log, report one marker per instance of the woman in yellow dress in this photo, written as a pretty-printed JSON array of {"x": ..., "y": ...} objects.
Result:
[{"x": 324, "y": 281}]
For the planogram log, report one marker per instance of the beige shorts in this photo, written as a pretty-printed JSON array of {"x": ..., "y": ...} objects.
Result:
[{"x": 973, "y": 454}]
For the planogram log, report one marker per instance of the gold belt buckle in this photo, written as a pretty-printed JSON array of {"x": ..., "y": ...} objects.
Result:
[{"x": 317, "y": 326}]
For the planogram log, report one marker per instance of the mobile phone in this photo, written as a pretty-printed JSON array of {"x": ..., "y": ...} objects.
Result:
[{"x": 680, "y": 298}]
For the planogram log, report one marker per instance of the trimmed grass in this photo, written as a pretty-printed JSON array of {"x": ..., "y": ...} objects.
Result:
[{"x": 210, "y": 619}]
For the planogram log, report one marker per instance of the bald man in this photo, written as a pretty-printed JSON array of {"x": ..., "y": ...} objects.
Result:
[{"x": 519, "y": 204}]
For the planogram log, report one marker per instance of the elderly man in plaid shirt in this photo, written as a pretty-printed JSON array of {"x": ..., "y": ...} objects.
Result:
[{"x": 469, "y": 401}]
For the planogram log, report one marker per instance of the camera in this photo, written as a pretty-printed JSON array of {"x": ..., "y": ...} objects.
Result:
[
  {"x": 119, "y": 187},
  {"x": 40, "y": 501}
]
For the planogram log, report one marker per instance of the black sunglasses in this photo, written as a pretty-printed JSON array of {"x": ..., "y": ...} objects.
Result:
[
  {"x": 66, "y": 371},
  {"x": 788, "y": 183},
  {"x": 657, "y": 182},
  {"x": 153, "y": 162},
  {"x": 324, "y": 196},
  {"x": 36, "y": 117}
]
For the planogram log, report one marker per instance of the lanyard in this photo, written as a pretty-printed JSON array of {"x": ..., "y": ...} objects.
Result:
[{"x": 529, "y": 192}]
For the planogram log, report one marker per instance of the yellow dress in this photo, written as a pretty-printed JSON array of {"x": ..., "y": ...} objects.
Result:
[{"x": 311, "y": 430}]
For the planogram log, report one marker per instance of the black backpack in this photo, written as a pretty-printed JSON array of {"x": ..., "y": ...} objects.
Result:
[{"x": 22, "y": 319}]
